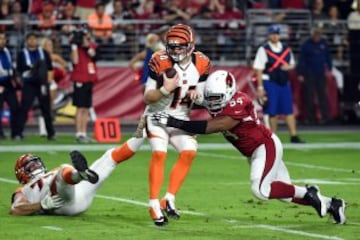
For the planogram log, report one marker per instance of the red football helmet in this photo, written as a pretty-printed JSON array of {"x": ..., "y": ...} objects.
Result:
[
  {"x": 27, "y": 167},
  {"x": 180, "y": 42}
]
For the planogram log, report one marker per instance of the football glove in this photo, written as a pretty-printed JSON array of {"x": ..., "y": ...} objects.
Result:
[
  {"x": 160, "y": 118},
  {"x": 51, "y": 202}
]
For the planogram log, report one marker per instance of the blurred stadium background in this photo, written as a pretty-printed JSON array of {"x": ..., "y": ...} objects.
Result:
[{"x": 229, "y": 32}]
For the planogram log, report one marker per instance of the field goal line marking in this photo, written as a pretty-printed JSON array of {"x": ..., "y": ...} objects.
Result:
[{"x": 231, "y": 221}]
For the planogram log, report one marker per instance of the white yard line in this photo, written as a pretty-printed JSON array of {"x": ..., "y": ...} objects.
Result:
[
  {"x": 231, "y": 221},
  {"x": 146, "y": 147},
  {"x": 54, "y": 228},
  {"x": 202, "y": 146},
  {"x": 305, "y": 181}
]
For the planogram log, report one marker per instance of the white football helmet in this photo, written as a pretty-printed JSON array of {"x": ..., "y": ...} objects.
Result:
[{"x": 220, "y": 87}]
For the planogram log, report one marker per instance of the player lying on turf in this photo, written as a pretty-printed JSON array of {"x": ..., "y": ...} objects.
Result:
[
  {"x": 234, "y": 115},
  {"x": 65, "y": 190}
]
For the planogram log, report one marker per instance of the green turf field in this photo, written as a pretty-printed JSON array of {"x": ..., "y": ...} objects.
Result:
[{"x": 215, "y": 200}]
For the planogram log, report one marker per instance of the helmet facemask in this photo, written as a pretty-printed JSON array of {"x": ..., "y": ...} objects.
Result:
[
  {"x": 180, "y": 42},
  {"x": 215, "y": 102},
  {"x": 28, "y": 167},
  {"x": 178, "y": 52},
  {"x": 219, "y": 89}
]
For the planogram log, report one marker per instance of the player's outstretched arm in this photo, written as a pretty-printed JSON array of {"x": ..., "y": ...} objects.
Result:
[
  {"x": 21, "y": 206},
  {"x": 213, "y": 125}
]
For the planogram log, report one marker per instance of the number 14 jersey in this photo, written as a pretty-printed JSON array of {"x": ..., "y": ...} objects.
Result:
[{"x": 177, "y": 104}]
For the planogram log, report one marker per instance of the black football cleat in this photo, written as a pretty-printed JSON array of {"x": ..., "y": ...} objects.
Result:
[
  {"x": 337, "y": 210},
  {"x": 316, "y": 201},
  {"x": 296, "y": 139},
  {"x": 169, "y": 208},
  {"x": 79, "y": 162},
  {"x": 158, "y": 217},
  {"x": 162, "y": 221}
]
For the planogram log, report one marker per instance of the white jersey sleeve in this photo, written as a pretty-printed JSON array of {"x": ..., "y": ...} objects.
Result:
[{"x": 260, "y": 59}]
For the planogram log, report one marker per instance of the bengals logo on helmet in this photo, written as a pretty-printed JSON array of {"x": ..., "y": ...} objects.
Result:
[
  {"x": 180, "y": 42},
  {"x": 180, "y": 34}
]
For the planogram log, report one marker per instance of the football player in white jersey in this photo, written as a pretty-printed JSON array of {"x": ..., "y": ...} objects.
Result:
[
  {"x": 66, "y": 190},
  {"x": 172, "y": 95}
]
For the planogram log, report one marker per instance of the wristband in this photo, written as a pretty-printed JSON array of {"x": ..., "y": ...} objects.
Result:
[
  {"x": 164, "y": 91},
  {"x": 74, "y": 47},
  {"x": 260, "y": 87}
]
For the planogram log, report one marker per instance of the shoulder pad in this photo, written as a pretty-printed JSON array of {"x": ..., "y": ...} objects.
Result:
[
  {"x": 202, "y": 63},
  {"x": 160, "y": 61}
]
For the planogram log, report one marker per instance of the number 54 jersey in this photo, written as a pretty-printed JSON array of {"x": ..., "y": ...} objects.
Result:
[
  {"x": 177, "y": 103},
  {"x": 250, "y": 133}
]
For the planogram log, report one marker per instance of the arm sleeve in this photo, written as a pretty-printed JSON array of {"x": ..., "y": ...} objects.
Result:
[{"x": 197, "y": 127}]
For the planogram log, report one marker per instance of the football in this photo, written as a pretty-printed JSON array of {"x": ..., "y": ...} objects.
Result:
[{"x": 170, "y": 72}]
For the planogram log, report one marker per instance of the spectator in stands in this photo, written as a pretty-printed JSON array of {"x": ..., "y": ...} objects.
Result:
[
  {"x": 20, "y": 20},
  {"x": 4, "y": 12},
  {"x": 84, "y": 8},
  {"x": 314, "y": 60},
  {"x": 34, "y": 7},
  {"x": 226, "y": 11},
  {"x": 317, "y": 11},
  {"x": 101, "y": 24},
  {"x": 292, "y": 4},
  {"x": 47, "y": 19},
  {"x": 59, "y": 6},
  {"x": 146, "y": 11},
  {"x": 172, "y": 12},
  {"x": 193, "y": 7},
  {"x": 353, "y": 19},
  {"x": 35, "y": 67},
  {"x": 8, "y": 89},
  {"x": 68, "y": 14},
  {"x": 336, "y": 32},
  {"x": 120, "y": 14},
  {"x": 272, "y": 62},
  {"x": 344, "y": 7},
  {"x": 228, "y": 31},
  {"x": 83, "y": 58},
  {"x": 206, "y": 37}
]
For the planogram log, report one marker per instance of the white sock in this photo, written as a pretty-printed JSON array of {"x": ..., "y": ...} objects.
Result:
[
  {"x": 135, "y": 143},
  {"x": 300, "y": 192},
  {"x": 80, "y": 134},
  {"x": 42, "y": 128},
  {"x": 154, "y": 203},
  {"x": 170, "y": 196}
]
